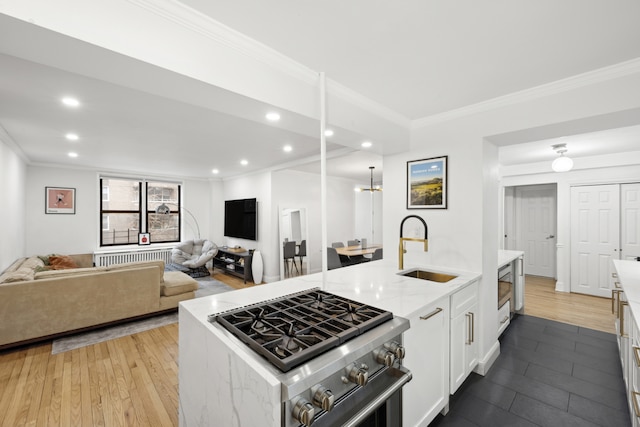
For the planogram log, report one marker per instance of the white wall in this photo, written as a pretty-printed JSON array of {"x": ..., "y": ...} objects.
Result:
[
  {"x": 12, "y": 215},
  {"x": 365, "y": 223},
  {"x": 79, "y": 233},
  {"x": 293, "y": 189},
  {"x": 258, "y": 186}
]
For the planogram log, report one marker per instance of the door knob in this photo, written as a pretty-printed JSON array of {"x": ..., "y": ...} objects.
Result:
[{"x": 550, "y": 236}]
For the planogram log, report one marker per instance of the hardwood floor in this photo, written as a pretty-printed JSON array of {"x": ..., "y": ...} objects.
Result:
[
  {"x": 541, "y": 300},
  {"x": 133, "y": 380}
]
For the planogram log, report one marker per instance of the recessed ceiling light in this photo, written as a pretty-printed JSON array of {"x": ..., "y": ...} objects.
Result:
[
  {"x": 328, "y": 132},
  {"x": 273, "y": 117},
  {"x": 70, "y": 102},
  {"x": 72, "y": 137},
  {"x": 215, "y": 171},
  {"x": 366, "y": 144},
  {"x": 244, "y": 162},
  {"x": 287, "y": 148},
  {"x": 72, "y": 154}
]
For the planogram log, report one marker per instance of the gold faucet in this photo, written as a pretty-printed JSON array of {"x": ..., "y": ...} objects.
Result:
[{"x": 402, "y": 249}]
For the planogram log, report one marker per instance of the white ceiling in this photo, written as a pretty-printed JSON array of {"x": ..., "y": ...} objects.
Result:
[{"x": 452, "y": 54}]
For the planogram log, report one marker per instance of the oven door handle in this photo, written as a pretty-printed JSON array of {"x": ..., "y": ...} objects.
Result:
[{"x": 378, "y": 400}]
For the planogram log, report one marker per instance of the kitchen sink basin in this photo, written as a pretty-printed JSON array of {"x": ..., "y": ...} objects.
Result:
[{"x": 431, "y": 276}]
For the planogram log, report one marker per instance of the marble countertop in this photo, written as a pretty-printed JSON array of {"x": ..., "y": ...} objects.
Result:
[
  {"x": 374, "y": 283},
  {"x": 506, "y": 256},
  {"x": 629, "y": 278}
]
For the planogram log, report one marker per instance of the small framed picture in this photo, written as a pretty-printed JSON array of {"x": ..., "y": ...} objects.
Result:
[
  {"x": 144, "y": 239},
  {"x": 427, "y": 183},
  {"x": 59, "y": 200}
]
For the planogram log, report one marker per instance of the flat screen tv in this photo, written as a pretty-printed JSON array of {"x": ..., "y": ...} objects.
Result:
[{"x": 241, "y": 219}]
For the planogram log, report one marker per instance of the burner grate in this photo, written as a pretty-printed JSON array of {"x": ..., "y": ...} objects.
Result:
[{"x": 293, "y": 329}]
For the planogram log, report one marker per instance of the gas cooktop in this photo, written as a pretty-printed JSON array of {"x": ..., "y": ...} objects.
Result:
[{"x": 292, "y": 329}]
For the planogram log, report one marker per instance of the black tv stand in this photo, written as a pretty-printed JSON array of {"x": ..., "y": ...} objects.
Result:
[{"x": 234, "y": 263}]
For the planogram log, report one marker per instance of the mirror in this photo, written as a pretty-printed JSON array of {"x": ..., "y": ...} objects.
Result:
[{"x": 293, "y": 229}]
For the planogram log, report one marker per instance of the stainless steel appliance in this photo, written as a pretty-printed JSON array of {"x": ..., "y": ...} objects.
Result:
[{"x": 339, "y": 361}]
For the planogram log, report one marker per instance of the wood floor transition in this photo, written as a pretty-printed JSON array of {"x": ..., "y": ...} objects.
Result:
[{"x": 133, "y": 380}]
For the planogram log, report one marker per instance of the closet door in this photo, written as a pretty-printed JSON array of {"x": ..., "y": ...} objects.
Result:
[
  {"x": 630, "y": 221},
  {"x": 595, "y": 237}
]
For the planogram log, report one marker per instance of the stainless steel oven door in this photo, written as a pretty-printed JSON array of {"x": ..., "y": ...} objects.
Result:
[{"x": 357, "y": 407}]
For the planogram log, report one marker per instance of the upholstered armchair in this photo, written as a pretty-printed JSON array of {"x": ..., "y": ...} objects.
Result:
[{"x": 194, "y": 253}]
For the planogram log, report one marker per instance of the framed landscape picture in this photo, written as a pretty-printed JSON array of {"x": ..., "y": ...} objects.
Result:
[
  {"x": 59, "y": 200},
  {"x": 427, "y": 183}
]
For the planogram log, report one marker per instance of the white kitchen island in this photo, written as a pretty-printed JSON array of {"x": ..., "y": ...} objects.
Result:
[{"x": 223, "y": 382}]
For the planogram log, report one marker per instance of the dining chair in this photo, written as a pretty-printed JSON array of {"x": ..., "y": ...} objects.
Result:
[
  {"x": 343, "y": 258},
  {"x": 302, "y": 251},
  {"x": 289, "y": 254},
  {"x": 333, "y": 260},
  {"x": 377, "y": 254},
  {"x": 353, "y": 243}
]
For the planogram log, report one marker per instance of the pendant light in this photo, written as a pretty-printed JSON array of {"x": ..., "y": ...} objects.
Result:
[
  {"x": 562, "y": 163},
  {"x": 371, "y": 187}
]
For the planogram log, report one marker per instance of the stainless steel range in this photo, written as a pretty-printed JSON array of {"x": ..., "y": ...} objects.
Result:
[{"x": 340, "y": 361}]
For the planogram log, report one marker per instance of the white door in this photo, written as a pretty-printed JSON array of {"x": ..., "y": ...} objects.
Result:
[
  {"x": 595, "y": 237},
  {"x": 536, "y": 224},
  {"x": 630, "y": 221}
]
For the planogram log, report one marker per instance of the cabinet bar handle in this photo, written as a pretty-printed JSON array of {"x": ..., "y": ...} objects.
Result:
[
  {"x": 636, "y": 353},
  {"x": 470, "y": 325},
  {"x": 614, "y": 275},
  {"x": 521, "y": 266},
  {"x": 621, "y": 309},
  {"x": 634, "y": 399},
  {"x": 503, "y": 321},
  {"x": 473, "y": 327},
  {"x": 430, "y": 315},
  {"x": 614, "y": 292}
]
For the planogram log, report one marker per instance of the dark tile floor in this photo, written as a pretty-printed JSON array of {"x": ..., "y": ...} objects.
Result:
[{"x": 548, "y": 374}]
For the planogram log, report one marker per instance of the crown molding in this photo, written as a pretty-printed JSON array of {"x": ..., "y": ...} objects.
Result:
[
  {"x": 349, "y": 95},
  {"x": 198, "y": 22},
  {"x": 9, "y": 142},
  {"x": 611, "y": 72},
  {"x": 204, "y": 25}
]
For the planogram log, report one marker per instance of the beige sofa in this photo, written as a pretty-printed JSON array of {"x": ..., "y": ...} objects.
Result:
[{"x": 37, "y": 304}]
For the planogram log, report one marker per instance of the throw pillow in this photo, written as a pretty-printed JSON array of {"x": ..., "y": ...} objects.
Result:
[{"x": 61, "y": 262}]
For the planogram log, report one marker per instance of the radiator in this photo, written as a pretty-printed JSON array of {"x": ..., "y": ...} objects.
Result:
[{"x": 108, "y": 258}]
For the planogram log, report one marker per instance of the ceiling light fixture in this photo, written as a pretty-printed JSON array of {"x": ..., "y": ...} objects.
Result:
[
  {"x": 215, "y": 171},
  {"x": 273, "y": 117},
  {"x": 244, "y": 162},
  {"x": 371, "y": 188},
  {"x": 70, "y": 102},
  {"x": 562, "y": 163},
  {"x": 328, "y": 133},
  {"x": 72, "y": 137},
  {"x": 287, "y": 148},
  {"x": 72, "y": 154},
  {"x": 366, "y": 144}
]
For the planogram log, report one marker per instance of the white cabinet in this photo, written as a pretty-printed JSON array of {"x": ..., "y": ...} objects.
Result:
[
  {"x": 633, "y": 383},
  {"x": 427, "y": 356},
  {"x": 463, "y": 343},
  {"x": 628, "y": 336}
]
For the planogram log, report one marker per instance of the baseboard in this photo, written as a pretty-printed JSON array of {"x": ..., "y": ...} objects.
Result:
[{"x": 485, "y": 364}]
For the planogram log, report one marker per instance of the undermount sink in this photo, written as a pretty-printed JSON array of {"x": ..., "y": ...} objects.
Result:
[{"x": 431, "y": 276}]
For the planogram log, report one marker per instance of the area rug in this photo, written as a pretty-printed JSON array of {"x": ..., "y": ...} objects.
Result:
[{"x": 206, "y": 286}]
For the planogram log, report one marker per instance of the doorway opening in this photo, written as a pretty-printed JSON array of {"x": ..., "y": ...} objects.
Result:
[{"x": 530, "y": 225}]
